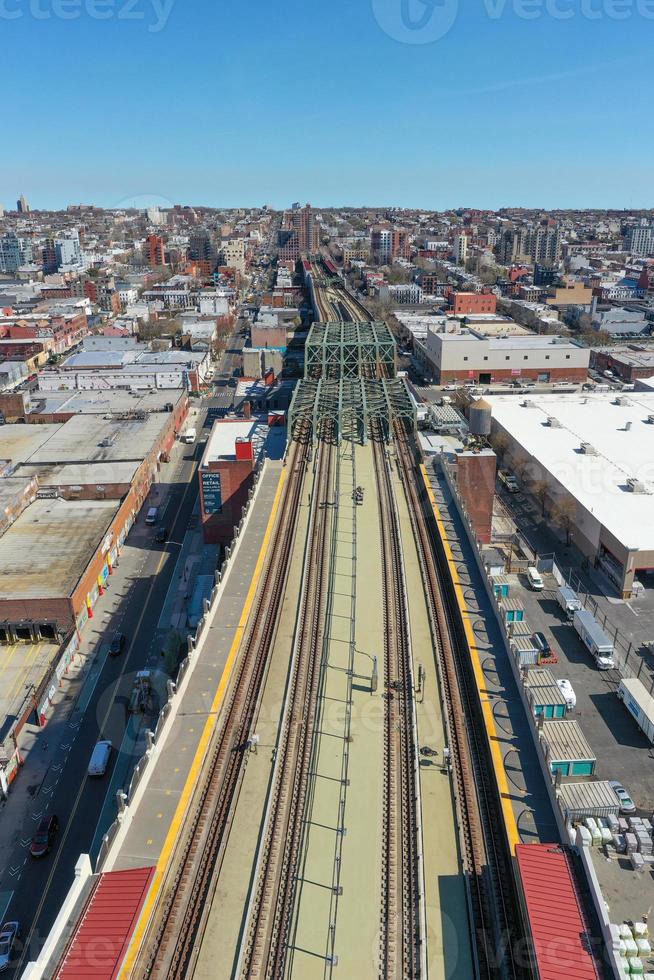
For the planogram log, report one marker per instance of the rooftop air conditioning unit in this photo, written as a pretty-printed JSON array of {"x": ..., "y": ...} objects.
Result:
[
  {"x": 588, "y": 449},
  {"x": 635, "y": 486},
  {"x": 650, "y": 419},
  {"x": 553, "y": 422},
  {"x": 527, "y": 403},
  {"x": 621, "y": 400}
]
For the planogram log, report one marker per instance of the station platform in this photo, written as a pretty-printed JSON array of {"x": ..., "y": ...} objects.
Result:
[
  {"x": 347, "y": 783},
  {"x": 150, "y": 835},
  {"x": 528, "y": 813}
]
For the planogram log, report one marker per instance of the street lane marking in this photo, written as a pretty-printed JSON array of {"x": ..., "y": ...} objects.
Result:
[{"x": 125, "y": 660}]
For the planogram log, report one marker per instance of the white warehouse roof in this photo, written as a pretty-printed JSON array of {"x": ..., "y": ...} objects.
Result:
[{"x": 623, "y": 438}]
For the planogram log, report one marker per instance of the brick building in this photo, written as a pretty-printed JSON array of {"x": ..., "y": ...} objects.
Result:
[
  {"x": 464, "y": 303},
  {"x": 226, "y": 474},
  {"x": 469, "y": 355}
]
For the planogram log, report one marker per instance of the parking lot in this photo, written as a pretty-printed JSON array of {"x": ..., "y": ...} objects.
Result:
[{"x": 621, "y": 749}]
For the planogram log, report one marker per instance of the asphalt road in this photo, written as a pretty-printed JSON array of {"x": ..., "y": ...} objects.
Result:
[{"x": 77, "y": 800}]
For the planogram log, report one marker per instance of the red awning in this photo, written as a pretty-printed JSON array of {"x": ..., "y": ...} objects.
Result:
[
  {"x": 104, "y": 931},
  {"x": 559, "y": 929}
]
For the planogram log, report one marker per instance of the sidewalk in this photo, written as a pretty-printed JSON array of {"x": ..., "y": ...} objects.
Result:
[{"x": 45, "y": 750}]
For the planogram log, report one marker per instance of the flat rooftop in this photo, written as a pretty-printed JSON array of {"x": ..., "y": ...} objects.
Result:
[
  {"x": 95, "y": 439},
  {"x": 45, "y": 551},
  {"x": 635, "y": 355},
  {"x": 268, "y": 441},
  {"x": 528, "y": 341},
  {"x": 19, "y": 442},
  {"x": 102, "y": 402},
  {"x": 623, "y": 438}
]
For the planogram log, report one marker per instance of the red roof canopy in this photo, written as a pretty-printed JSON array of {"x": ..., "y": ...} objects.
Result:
[
  {"x": 559, "y": 929},
  {"x": 103, "y": 933}
]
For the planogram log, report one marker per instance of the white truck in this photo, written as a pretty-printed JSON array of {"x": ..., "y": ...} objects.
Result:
[
  {"x": 188, "y": 435},
  {"x": 638, "y": 703},
  {"x": 568, "y": 600},
  {"x": 594, "y": 638}
]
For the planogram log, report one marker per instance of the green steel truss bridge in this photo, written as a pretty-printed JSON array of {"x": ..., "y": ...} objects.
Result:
[
  {"x": 349, "y": 406},
  {"x": 350, "y": 349}
]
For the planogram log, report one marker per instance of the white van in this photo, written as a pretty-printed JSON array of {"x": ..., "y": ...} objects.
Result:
[
  {"x": 534, "y": 579},
  {"x": 100, "y": 758},
  {"x": 152, "y": 516}
]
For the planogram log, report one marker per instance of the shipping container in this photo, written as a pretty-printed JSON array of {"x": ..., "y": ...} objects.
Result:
[
  {"x": 544, "y": 693},
  {"x": 594, "y": 638},
  {"x": 638, "y": 703},
  {"x": 567, "y": 750},
  {"x": 512, "y": 609},
  {"x": 501, "y": 586},
  {"x": 593, "y": 799},
  {"x": 524, "y": 651}
]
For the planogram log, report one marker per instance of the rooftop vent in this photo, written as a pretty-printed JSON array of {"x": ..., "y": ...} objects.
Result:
[
  {"x": 553, "y": 422},
  {"x": 650, "y": 419},
  {"x": 588, "y": 449},
  {"x": 635, "y": 486}
]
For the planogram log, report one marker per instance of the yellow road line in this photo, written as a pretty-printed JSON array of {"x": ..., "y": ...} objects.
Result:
[
  {"x": 486, "y": 702},
  {"x": 6, "y": 661},
  {"x": 198, "y": 759},
  {"x": 23, "y": 670}
]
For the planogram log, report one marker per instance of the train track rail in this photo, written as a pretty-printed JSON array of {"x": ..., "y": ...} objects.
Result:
[
  {"x": 401, "y": 940},
  {"x": 173, "y": 939},
  {"x": 486, "y": 858},
  {"x": 265, "y": 947}
]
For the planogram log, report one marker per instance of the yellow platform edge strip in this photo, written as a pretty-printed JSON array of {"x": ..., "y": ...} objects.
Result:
[
  {"x": 198, "y": 759},
  {"x": 510, "y": 824}
]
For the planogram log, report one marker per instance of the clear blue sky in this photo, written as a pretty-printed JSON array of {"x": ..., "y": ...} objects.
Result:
[{"x": 254, "y": 102}]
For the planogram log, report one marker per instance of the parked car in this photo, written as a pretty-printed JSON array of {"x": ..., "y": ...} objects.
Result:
[
  {"x": 8, "y": 936},
  {"x": 117, "y": 644},
  {"x": 568, "y": 692},
  {"x": 161, "y": 535},
  {"x": 534, "y": 579},
  {"x": 44, "y": 836},
  {"x": 627, "y": 805},
  {"x": 541, "y": 642}
]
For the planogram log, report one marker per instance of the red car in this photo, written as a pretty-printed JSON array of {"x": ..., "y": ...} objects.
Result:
[{"x": 44, "y": 836}]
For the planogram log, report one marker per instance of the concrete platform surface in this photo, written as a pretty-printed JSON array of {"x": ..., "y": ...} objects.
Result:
[{"x": 150, "y": 823}]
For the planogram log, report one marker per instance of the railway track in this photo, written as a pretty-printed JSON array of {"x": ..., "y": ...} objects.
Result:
[
  {"x": 401, "y": 939},
  {"x": 174, "y": 935},
  {"x": 487, "y": 864},
  {"x": 264, "y": 950}
]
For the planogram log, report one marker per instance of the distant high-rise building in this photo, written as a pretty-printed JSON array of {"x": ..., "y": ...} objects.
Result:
[
  {"x": 68, "y": 249},
  {"x": 381, "y": 244},
  {"x": 14, "y": 252},
  {"x": 22, "y": 206},
  {"x": 201, "y": 247},
  {"x": 640, "y": 240},
  {"x": 461, "y": 249},
  {"x": 155, "y": 251},
  {"x": 304, "y": 223},
  {"x": 156, "y": 217}
]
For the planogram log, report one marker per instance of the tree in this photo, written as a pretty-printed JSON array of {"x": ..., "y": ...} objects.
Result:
[
  {"x": 500, "y": 443},
  {"x": 540, "y": 489},
  {"x": 563, "y": 515}
]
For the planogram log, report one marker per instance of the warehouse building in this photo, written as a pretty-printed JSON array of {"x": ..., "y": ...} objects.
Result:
[
  {"x": 469, "y": 355},
  {"x": 593, "y": 455},
  {"x": 75, "y": 488}
]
